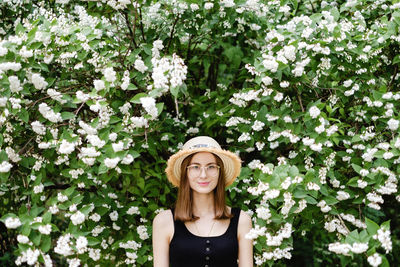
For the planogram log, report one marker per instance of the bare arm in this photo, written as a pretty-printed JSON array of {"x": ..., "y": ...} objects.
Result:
[
  {"x": 162, "y": 232},
  {"x": 245, "y": 245}
]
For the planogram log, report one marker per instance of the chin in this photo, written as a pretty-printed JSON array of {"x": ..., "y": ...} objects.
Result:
[{"x": 203, "y": 190}]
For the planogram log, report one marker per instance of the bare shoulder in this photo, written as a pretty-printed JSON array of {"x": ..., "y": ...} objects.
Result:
[
  {"x": 244, "y": 218},
  {"x": 244, "y": 225},
  {"x": 163, "y": 218},
  {"x": 245, "y": 221}
]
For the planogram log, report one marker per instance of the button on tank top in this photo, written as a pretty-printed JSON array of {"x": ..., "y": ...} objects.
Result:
[{"x": 187, "y": 249}]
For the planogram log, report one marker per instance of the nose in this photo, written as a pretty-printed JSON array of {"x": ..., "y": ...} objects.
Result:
[{"x": 203, "y": 172}]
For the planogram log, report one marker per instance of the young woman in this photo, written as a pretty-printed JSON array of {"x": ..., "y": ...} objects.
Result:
[{"x": 201, "y": 230}]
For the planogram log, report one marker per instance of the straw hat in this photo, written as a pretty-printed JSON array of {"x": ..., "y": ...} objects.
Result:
[{"x": 231, "y": 161}]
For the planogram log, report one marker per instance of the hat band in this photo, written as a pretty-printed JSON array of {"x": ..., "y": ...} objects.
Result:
[{"x": 201, "y": 145}]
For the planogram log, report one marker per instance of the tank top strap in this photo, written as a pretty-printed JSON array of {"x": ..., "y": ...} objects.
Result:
[{"x": 235, "y": 219}]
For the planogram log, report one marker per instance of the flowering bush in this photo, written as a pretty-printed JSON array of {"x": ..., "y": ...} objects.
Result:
[{"x": 96, "y": 95}]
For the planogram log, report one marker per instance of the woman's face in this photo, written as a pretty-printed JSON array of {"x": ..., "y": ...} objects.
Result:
[{"x": 203, "y": 172}]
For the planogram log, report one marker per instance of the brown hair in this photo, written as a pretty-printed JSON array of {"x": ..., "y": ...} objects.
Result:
[{"x": 184, "y": 203}]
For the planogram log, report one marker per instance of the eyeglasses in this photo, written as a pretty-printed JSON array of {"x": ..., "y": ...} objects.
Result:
[{"x": 211, "y": 170}]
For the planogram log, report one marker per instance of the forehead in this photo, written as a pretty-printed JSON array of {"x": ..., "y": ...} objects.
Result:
[{"x": 203, "y": 158}]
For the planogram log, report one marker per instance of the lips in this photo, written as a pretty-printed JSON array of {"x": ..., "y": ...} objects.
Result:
[{"x": 204, "y": 184}]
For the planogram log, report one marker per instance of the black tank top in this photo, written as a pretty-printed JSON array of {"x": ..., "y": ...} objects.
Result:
[{"x": 187, "y": 249}]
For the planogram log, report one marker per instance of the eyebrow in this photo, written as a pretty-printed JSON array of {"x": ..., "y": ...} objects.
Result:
[{"x": 196, "y": 163}]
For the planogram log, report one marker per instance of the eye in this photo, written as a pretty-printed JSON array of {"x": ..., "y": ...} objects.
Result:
[
  {"x": 195, "y": 167},
  {"x": 212, "y": 167}
]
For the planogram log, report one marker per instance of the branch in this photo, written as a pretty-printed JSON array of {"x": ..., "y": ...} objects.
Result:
[
  {"x": 341, "y": 220},
  {"x": 23, "y": 148},
  {"x": 396, "y": 68},
  {"x": 299, "y": 98},
  {"x": 77, "y": 111},
  {"x": 172, "y": 32},
  {"x": 132, "y": 34},
  {"x": 141, "y": 24}
]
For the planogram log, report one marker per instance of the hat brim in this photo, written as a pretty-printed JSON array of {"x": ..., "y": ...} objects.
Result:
[{"x": 231, "y": 161}]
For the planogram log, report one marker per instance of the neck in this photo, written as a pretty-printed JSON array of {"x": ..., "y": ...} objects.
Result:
[{"x": 203, "y": 204}]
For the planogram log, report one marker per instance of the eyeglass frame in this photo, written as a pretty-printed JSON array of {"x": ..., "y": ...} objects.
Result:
[{"x": 203, "y": 167}]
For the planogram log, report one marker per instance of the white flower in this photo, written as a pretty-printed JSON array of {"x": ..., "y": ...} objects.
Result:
[
  {"x": 388, "y": 155},
  {"x": 342, "y": 195},
  {"x": 347, "y": 83},
  {"x": 23, "y": 239},
  {"x": 375, "y": 260},
  {"x": 316, "y": 147},
  {"x": 38, "y": 188},
  {"x": 5, "y": 66},
  {"x": 111, "y": 163},
  {"x": 393, "y": 124},
  {"x": 31, "y": 256},
  {"x": 208, "y": 6},
  {"x": 314, "y": 112},
  {"x": 12, "y": 223},
  {"x": 77, "y": 218},
  {"x": 74, "y": 262},
  {"x": 95, "y": 217},
  {"x": 270, "y": 63},
  {"x": 364, "y": 172},
  {"x": 110, "y": 74},
  {"x": 339, "y": 248},
  {"x": 113, "y": 136},
  {"x": 133, "y": 210},
  {"x": 127, "y": 159},
  {"x": 114, "y": 215},
  {"x": 244, "y": 137},
  {"x": 258, "y": 125},
  {"x": 45, "y": 229},
  {"x": 38, "y": 81},
  {"x": 118, "y": 146},
  {"x": 81, "y": 244},
  {"x": 38, "y": 128},
  {"x": 94, "y": 254},
  {"x": 49, "y": 114},
  {"x": 15, "y": 84},
  {"x": 63, "y": 245},
  {"x": 5, "y": 167},
  {"x": 263, "y": 213},
  {"x": 66, "y": 147},
  {"x": 267, "y": 80},
  {"x": 149, "y": 104},
  {"x": 194, "y": 7},
  {"x": 61, "y": 197},
  {"x": 99, "y": 85},
  {"x": 359, "y": 247},
  {"x": 140, "y": 66},
  {"x": 53, "y": 209},
  {"x": 142, "y": 231},
  {"x": 3, "y": 51}
]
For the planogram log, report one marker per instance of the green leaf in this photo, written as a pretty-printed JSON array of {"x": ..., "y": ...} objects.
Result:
[
  {"x": 46, "y": 243},
  {"x": 92, "y": 241},
  {"x": 396, "y": 59},
  {"x": 293, "y": 171},
  {"x": 372, "y": 227},
  {"x": 137, "y": 97},
  {"x": 69, "y": 191},
  {"x": 24, "y": 115},
  {"x": 47, "y": 217},
  {"x": 36, "y": 238},
  {"x": 103, "y": 168},
  {"x": 160, "y": 107},
  {"x": 310, "y": 200},
  {"x": 174, "y": 91},
  {"x": 356, "y": 168},
  {"x": 67, "y": 115}
]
